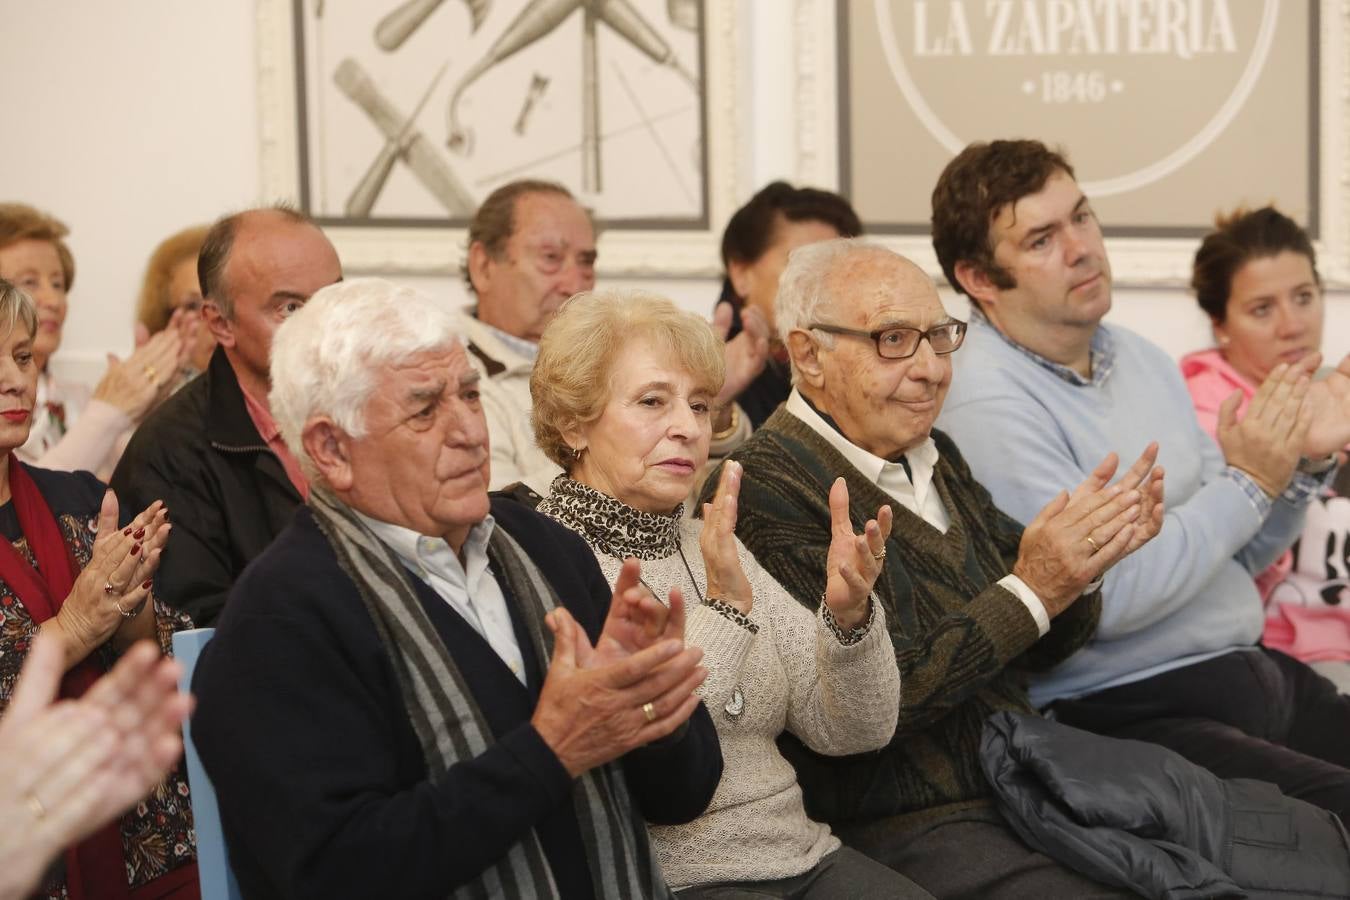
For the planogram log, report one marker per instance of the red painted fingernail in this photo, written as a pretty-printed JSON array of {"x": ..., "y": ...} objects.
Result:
[
  {"x": 145, "y": 585},
  {"x": 140, "y": 533},
  {"x": 127, "y": 532},
  {"x": 135, "y": 548}
]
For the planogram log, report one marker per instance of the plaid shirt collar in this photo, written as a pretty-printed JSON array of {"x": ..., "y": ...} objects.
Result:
[{"x": 1102, "y": 353}]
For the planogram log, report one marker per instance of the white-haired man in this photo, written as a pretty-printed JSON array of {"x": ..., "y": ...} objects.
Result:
[
  {"x": 378, "y": 710},
  {"x": 972, "y": 599}
]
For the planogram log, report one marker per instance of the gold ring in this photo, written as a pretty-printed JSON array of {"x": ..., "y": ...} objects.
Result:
[
  {"x": 880, "y": 556},
  {"x": 150, "y": 372},
  {"x": 109, "y": 589},
  {"x": 649, "y": 711},
  {"x": 1092, "y": 544},
  {"x": 35, "y": 805}
]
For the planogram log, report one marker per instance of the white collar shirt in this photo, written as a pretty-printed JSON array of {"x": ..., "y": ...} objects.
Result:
[
  {"x": 470, "y": 589},
  {"x": 914, "y": 491}
]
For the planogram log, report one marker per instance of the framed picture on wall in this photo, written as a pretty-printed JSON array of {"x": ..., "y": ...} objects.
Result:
[
  {"x": 390, "y": 122},
  {"x": 1170, "y": 112}
]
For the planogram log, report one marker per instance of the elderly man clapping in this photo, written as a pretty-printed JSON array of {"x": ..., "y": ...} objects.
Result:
[
  {"x": 972, "y": 600},
  {"x": 417, "y": 690}
]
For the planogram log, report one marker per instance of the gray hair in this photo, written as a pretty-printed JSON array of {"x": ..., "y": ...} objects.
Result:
[
  {"x": 802, "y": 293},
  {"x": 16, "y": 307},
  {"x": 324, "y": 357}
]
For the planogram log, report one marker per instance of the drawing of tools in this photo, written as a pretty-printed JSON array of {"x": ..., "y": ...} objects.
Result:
[
  {"x": 421, "y": 155},
  {"x": 538, "y": 84},
  {"x": 367, "y": 190},
  {"x": 539, "y": 18},
  {"x": 406, "y": 18}
]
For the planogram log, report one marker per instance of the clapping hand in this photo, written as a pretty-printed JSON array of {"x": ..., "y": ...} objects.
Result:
[
  {"x": 745, "y": 354},
  {"x": 854, "y": 560},
  {"x": 112, "y": 593},
  {"x": 636, "y": 619},
  {"x": 717, "y": 541},
  {"x": 1267, "y": 443},
  {"x": 593, "y": 710},
  {"x": 1079, "y": 535},
  {"x": 1329, "y": 413},
  {"x": 71, "y": 766},
  {"x": 138, "y": 384}
]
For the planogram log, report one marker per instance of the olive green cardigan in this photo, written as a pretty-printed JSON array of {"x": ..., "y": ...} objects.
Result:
[{"x": 962, "y": 642}]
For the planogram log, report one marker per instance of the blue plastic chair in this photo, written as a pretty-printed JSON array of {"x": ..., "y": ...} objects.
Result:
[{"x": 213, "y": 863}]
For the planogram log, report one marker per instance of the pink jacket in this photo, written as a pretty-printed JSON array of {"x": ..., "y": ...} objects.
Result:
[{"x": 1305, "y": 615}]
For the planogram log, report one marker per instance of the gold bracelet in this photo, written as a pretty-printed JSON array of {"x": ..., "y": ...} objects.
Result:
[{"x": 730, "y": 429}]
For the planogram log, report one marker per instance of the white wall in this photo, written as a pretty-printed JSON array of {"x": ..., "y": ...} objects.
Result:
[{"x": 130, "y": 120}]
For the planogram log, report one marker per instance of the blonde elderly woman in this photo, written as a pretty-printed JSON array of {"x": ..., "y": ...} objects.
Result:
[
  {"x": 73, "y": 428},
  {"x": 622, "y": 391}
]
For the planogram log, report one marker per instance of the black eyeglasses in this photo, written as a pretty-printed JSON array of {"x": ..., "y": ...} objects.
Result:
[{"x": 898, "y": 342}]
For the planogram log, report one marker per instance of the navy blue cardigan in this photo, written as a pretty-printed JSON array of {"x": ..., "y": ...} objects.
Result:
[{"x": 323, "y": 789}]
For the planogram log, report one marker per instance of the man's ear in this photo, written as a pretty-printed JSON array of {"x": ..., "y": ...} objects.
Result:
[
  {"x": 219, "y": 326},
  {"x": 328, "y": 447},
  {"x": 805, "y": 353},
  {"x": 480, "y": 267},
  {"x": 975, "y": 281}
]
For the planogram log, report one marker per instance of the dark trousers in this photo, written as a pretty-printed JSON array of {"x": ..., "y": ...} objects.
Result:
[
  {"x": 1246, "y": 714},
  {"x": 843, "y": 873},
  {"x": 971, "y": 855}
]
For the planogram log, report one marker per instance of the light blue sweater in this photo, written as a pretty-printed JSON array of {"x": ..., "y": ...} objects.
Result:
[{"x": 1028, "y": 433}]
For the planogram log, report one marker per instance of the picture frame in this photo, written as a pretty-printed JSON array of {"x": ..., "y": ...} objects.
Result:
[
  {"x": 421, "y": 228},
  {"x": 1143, "y": 254}
]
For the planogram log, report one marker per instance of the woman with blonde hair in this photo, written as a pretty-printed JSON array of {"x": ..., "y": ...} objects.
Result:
[
  {"x": 170, "y": 293},
  {"x": 73, "y": 428},
  {"x": 68, "y": 573},
  {"x": 622, "y": 394}
]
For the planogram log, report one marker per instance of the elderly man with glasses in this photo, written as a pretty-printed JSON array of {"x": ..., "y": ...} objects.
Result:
[{"x": 972, "y": 600}]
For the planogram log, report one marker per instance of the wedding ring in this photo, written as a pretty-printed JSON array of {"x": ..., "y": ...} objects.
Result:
[
  {"x": 108, "y": 588},
  {"x": 35, "y": 805},
  {"x": 1092, "y": 544},
  {"x": 150, "y": 372},
  {"x": 649, "y": 711},
  {"x": 125, "y": 613},
  {"x": 880, "y": 556}
]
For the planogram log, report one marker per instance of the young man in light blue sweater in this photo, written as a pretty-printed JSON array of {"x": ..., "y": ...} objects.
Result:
[{"x": 1043, "y": 390}]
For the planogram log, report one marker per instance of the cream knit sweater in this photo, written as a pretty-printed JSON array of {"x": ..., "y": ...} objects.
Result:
[{"x": 791, "y": 673}]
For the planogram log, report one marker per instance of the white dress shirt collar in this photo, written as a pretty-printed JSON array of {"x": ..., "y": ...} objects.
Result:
[{"x": 913, "y": 490}]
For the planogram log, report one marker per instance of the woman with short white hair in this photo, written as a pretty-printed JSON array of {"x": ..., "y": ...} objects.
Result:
[{"x": 622, "y": 391}]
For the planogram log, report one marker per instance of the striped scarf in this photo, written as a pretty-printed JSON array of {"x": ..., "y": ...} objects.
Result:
[{"x": 451, "y": 728}]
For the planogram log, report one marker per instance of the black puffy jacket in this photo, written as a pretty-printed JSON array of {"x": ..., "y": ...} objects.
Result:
[{"x": 1140, "y": 816}]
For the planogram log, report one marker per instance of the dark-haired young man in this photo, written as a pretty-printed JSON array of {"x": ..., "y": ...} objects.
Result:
[
  {"x": 212, "y": 452},
  {"x": 1044, "y": 389}
]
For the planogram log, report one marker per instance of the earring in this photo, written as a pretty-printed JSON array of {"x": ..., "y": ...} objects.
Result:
[{"x": 576, "y": 453}]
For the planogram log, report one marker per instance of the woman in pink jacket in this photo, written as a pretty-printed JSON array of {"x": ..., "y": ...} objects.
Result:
[{"x": 1255, "y": 276}]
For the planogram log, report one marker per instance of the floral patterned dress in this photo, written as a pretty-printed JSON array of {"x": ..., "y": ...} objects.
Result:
[{"x": 157, "y": 834}]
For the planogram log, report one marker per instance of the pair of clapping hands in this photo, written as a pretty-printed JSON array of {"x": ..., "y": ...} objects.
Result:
[
  {"x": 1291, "y": 416},
  {"x": 144, "y": 379},
  {"x": 636, "y": 684},
  {"x": 1078, "y": 535},
  {"x": 111, "y": 597},
  {"x": 73, "y": 765}
]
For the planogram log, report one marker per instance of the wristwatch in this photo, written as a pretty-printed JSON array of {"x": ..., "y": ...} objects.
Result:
[{"x": 1316, "y": 466}]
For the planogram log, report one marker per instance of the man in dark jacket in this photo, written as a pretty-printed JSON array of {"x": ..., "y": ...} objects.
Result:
[
  {"x": 419, "y": 692},
  {"x": 212, "y": 452}
]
